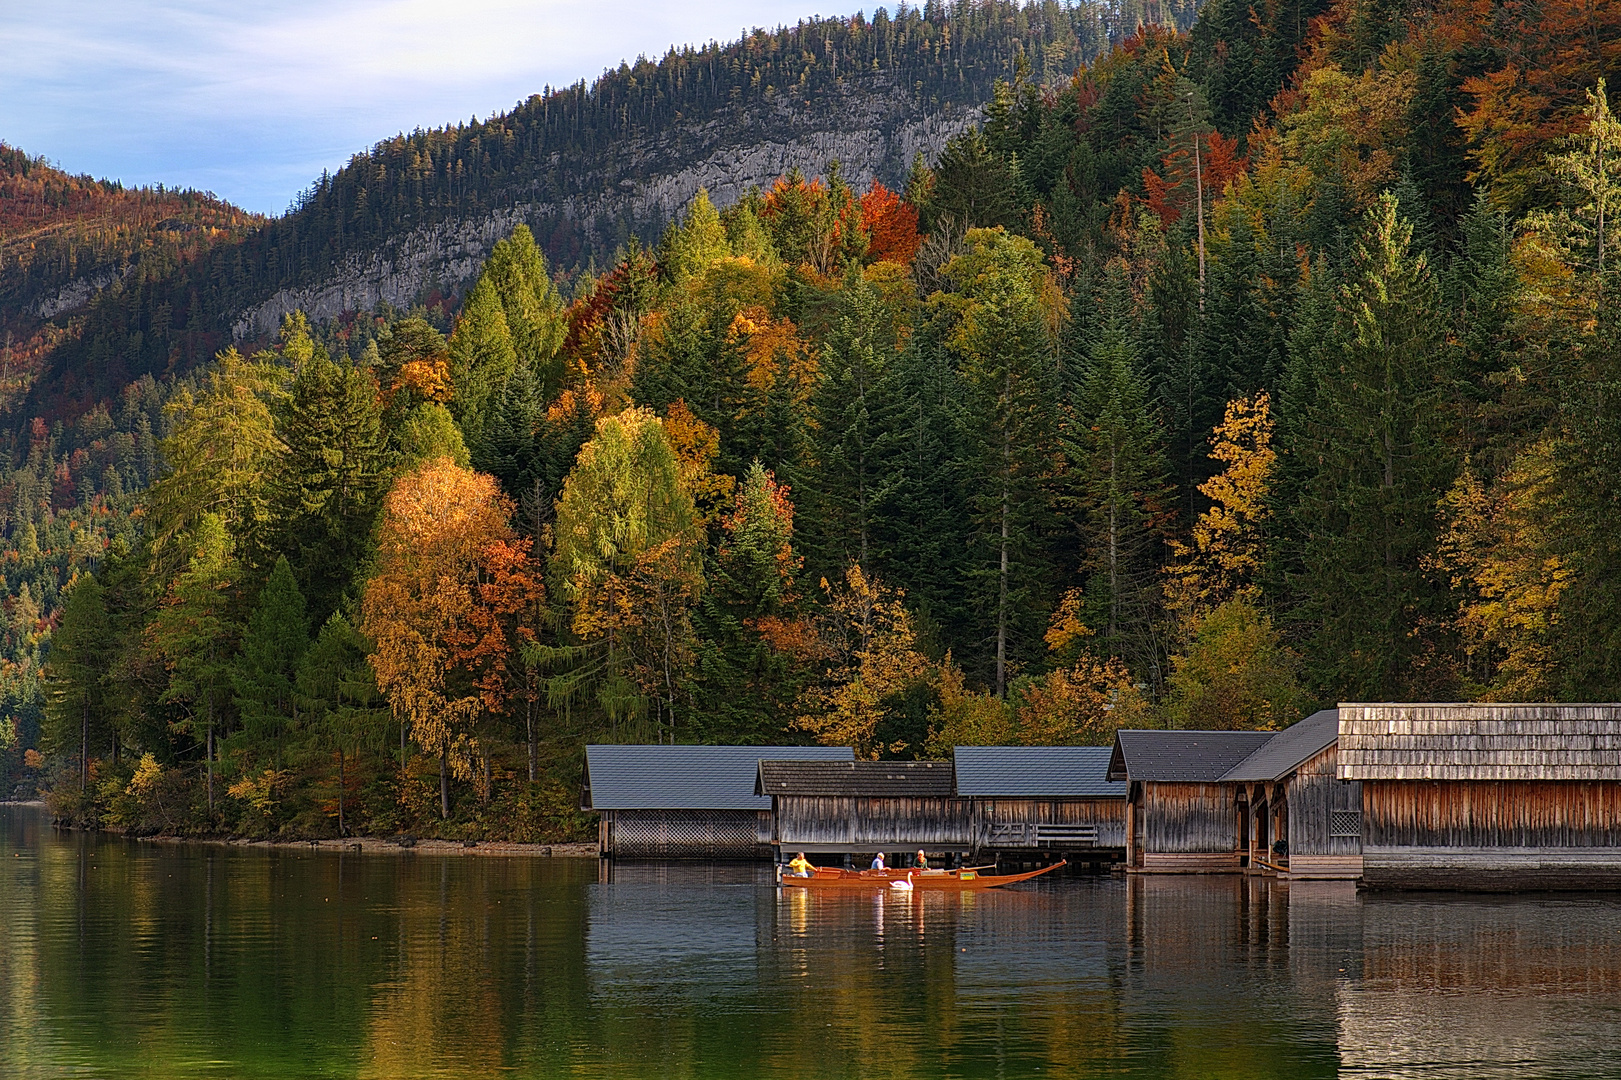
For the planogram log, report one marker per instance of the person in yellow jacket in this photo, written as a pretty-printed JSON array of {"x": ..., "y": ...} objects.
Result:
[{"x": 801, "y": 866}]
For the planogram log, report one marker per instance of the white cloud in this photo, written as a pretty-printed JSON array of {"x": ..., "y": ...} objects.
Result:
[{"x": 253, "y": 100}]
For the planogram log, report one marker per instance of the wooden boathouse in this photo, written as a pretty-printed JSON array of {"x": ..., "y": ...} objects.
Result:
[
  {"x": 1047, "y": 800},
  {"x": 862, "y": 807},
  {"x": 685, "y": 802},
  {"x": 1297, "y": 818},
  {"x": 1181, "y": 815},
  {"x": 1486, "y": 797}
]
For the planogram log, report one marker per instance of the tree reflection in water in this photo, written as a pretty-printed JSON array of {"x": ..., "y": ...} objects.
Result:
[{"x": 121, "y": 959}]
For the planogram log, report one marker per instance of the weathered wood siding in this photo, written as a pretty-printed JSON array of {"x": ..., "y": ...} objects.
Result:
[
  {"x": 1108, "y": 815},
  {"x": 1188, "y": 819},
  {"x": 874, "y": 823},
  {"x": 1493, "y": 835},
  {"x": 1491, "y": 813},
  {"x": 1318, "y": 801}
]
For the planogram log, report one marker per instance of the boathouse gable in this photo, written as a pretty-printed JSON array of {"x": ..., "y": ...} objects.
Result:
[
  {"x": 1044, "y": 798},
  {"x": 1289, "y": 789},
  {"x": 684, "y": 801},
  {"x": 1180, "y": 815},
  {"x": 859, "y": 807},
  {"x": 1486, "y": 796}
]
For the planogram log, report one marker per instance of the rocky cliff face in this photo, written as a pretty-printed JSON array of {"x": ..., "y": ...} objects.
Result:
[{"x": 873, "y": 129}]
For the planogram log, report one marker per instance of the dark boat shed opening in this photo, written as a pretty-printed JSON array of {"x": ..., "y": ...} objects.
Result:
[
  {"x": 1296, "y": 816},
  {"x": 1180, "y": 815},
  {"x": 678, "y": 802}
]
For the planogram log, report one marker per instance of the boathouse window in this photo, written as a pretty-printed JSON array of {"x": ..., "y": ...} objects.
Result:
[{"x": 1345, "y": 823}]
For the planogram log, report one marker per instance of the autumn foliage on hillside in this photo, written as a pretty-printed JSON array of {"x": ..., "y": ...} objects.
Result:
[{"x": 1048, "y": 443}]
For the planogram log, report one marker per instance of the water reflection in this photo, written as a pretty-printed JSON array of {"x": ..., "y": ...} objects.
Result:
[{"x": 138, "y": 960}]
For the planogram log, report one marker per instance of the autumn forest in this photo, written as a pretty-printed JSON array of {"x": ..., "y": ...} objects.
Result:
[{"x": 1266, "y": 364}]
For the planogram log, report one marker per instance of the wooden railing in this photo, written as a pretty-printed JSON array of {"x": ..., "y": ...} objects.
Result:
[{"x": 1035, "y": 835}]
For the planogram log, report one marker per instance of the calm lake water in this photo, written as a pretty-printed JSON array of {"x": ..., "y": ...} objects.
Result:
[{"x": 121, "y": 959}]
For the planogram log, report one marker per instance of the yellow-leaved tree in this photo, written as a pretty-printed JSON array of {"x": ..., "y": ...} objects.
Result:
[
  {"x": 628, "y": 558},
  {"x": 454, "y": 594},
  {"x": 869, "y": 648},
  {"x": 1228, "y": 543}
]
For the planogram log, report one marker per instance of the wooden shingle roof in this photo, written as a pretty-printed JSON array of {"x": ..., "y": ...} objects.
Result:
[
  {"x": 1479, "y": 742},
  {"x": 621, "y": 777},
  {"x": 857, "y": 779}
]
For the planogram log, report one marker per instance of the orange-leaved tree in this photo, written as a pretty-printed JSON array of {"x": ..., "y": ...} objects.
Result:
[{"x": 455, "y": 592}]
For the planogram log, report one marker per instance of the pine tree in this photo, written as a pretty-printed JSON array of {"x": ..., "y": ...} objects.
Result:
[
  {"x": 273, "y": 643},
  {"x": 1370, "y": 468},
  {"x": 1005, "y": 355},
  {"x": 77, "y": 675},
  {"x": 325, "y": 496},
  {"x": 482, "y": 356},
  {"x": 195, "y": 633},
  {"x": 1118, "y": 485},
  {"x": 849, "y": 418}
]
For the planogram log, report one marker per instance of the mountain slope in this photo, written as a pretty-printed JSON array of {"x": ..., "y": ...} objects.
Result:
[{"x": 585, "y": 167}]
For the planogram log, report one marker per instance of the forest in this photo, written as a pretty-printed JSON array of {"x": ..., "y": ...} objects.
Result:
[{"x": 1247, "y": 369}]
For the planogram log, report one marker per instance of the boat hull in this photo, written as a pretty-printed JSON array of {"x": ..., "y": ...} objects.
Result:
[{"x": 937, "y": 881}]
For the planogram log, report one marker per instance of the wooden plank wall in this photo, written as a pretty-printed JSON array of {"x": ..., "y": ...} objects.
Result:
[
  {"x": 1188, "y": 818},
  {"x": 947, "y": 823},
  {"x": 1314, "y": 793},
  {"x": 1109, "y": 815},
  {"x": 1491, "y": 813}
]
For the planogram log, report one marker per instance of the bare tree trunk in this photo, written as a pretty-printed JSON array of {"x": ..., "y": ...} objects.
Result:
[
  {"x": 84, "y": 746},
  {"x": 529, "y": 722},
  {"x": 341, "y": 830},
  {"x": 444, "y": 784}
]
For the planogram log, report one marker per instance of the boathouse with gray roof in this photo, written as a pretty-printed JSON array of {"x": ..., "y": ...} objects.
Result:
[
  {"x": 1181, "y": 815},
  {"x": 1298, "y": 819},
  {"x": 1491, "y": 797},
  {"x": 863, "y": 807},
  {"x": 1045, "y": 800},
  {"x": 681, "y": 802}
]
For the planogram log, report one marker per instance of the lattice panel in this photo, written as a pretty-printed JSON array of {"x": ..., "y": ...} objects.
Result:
[
  {"x": 1345, "y": 823},
  {"x": 677, "y": 835}
]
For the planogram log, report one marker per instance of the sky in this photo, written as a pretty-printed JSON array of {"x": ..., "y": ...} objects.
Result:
[{"x": 251, "y": 100}]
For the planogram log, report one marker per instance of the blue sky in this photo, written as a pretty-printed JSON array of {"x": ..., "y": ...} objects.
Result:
[{"x": 252, "y": 99}]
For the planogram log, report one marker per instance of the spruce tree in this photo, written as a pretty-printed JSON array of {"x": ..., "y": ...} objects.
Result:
[
  {"x": 273, "y": 643},
  {"x": 482, "y": 356},
  {"x": 1370, "y": 467},
  {"x": 78, "y": 674},
  {"x": 326, "y": 494},
  {"x": 1118, "y": 484}
]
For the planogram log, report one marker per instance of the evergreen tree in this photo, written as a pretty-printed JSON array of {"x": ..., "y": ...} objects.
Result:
[
  {"x": 1005, "y": 355},
  {"x": 325, "y": 497},
  {"x": 1118, "y": 485},
  {"x": 76, "y": 711},
  {"x": 1371, "y": 467},
  {"x": 273, "y": 643},
  {"x": 847, "y": 425},
  {"x": 482, "y": 356}
]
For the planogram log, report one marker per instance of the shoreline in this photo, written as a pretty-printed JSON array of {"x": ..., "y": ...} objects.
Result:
[
  {"x": 365, "y": 845},
  {"x": 374, "y": 845}
]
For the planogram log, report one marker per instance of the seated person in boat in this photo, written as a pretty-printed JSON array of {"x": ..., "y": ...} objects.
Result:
[
  {"x": 801, "y": 866},
  {"x": 878, "y": 862},
  {"x": 921, "y": 862}
]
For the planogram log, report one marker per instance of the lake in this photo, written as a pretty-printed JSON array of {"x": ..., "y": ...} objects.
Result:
[{"x": 126, "y": 959}]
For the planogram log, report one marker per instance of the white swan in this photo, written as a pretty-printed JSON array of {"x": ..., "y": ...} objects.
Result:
[{"x": 904, "y": 883}]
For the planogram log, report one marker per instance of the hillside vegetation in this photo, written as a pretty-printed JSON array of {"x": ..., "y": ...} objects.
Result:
[{"x": 1243, "y": 370}]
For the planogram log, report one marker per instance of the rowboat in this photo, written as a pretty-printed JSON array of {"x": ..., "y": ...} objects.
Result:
[{"x": 930, "y": 880}]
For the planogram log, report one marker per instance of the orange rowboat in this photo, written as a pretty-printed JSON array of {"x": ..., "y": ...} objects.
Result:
[{"x": 930, "y": 880}]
